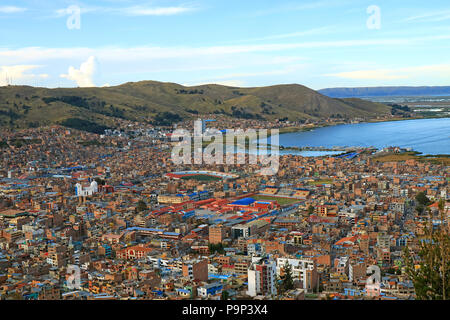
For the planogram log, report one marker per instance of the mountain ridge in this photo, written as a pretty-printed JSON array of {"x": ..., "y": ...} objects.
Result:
[{"x": 144, "y": 101}]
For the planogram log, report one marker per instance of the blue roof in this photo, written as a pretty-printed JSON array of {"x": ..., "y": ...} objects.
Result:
[
  {"x": 171, "y": 233},
  {"x": 219, "y": 276},
  {"x": 183, "y": 290},
  {"x": 244, "y": 202},
  {"x": 144, "y": 229}
]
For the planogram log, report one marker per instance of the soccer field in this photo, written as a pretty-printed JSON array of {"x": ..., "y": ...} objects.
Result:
[{"x": 281, "y": 201}]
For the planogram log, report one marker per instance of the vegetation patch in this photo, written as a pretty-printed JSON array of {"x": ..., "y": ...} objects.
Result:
[
  {"x": 4, "y": 144},
  {"x": 91, "y": 143},
  {"x": 23, "y": 142},
  {"x": 167, "y": 119},
  {"x": 320, "y": 182},
  {"x": 281, "y": 201},
  {"x": 201, "y": 177},
  {"x": 397, "y": 157},
  {"x": 84, "y": 125}
]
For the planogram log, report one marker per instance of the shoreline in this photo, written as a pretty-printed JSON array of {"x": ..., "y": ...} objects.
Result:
[{"x": 294, "y": 129}]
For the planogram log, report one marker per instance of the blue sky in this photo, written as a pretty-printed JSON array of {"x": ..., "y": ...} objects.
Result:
[{"x": 322, "y": 43}]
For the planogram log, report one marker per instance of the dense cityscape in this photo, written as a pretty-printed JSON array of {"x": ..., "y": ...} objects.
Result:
[{"x": 110, "y": 216}]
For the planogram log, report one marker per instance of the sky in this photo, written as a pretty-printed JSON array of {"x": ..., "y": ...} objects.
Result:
[{"x": 245, "y": 43}]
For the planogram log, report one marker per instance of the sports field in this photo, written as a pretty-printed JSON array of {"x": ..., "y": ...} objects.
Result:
[{"x": 281, "y": 201}]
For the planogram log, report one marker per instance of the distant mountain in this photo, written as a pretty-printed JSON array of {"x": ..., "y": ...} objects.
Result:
[
  {"x": 147, "y": 101},
  {"x": 385, "y": 92}
]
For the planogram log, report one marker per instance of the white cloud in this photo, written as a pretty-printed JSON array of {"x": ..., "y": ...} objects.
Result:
[
  {"x": 11, "y": 9},
  {"x": 147, "y": 62},
  {"x": 146, "y": 53},
  {"x": 161, "y": 11},
  {"x": 17, "y": 74},
  {"x": 435, "y": 16},
  {"x": 300, "y": 6},
  {"x": 310, "y": 32},
  {"x": 83, "y": 76},
  {"x": 435, "y": 71},
  {"x": 129, "y": 11},
  {"x": 69, "y": 11}
]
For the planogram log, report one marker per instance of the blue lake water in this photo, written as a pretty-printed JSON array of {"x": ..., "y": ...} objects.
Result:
[{"x": 429, "y": 136}]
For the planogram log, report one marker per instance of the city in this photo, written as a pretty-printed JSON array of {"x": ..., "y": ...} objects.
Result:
[{"x": 84, "y": 216}]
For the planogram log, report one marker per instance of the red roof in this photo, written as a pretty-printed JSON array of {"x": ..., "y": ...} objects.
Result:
[{"x": 345, "y": 240}]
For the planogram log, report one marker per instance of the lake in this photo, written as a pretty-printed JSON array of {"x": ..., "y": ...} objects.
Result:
[{"x": 429, "y": 136}]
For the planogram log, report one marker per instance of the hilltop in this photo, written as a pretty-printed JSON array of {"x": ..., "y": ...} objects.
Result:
[{"x": 150, "y": 101}]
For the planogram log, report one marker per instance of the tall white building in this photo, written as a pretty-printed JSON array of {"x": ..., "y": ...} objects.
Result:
[
  {"x": 262, "y": 277},
  {"x": 81, "y": 191}
]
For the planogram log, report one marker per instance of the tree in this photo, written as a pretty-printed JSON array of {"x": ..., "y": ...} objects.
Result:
[
  {"x": 216, "y": 248},
  {"x": 167, "y": 119},
  {"x": 100, "y": 182},
  {"x": 225, "y": 295},
  {"x": 310, "y": 210},
  {"x": 141, "y": 206},
  {"x": 422, "y": 199},
  {"x": 420, "y": 208},
  {"x": 431, "y": 278},
  {"x": 285, "y": 282}
]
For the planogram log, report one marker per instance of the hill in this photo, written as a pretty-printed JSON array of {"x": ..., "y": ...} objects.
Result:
[
  {"x": 385, "y": 92},
  {"x": 150, "y": 101}
]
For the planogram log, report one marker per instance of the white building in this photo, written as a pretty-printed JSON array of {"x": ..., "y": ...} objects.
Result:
[
  {"x": 81, "y": 191},
  {"x": 241, "y": 231},
  {"x": 304, "y": 270},
  {"x": 262, "y": 277}
]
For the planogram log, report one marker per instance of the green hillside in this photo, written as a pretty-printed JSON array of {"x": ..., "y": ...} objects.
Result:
[{"x": 24, "y": 106}]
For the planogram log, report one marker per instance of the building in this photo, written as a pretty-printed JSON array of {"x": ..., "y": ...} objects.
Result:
[
  {"x": 251, "y": 228},
  {"x": 261, "y": 277},
  {"x": 134, "y": 252},
  {"x": 383, "y": 240},
  {"x": 254, "y": 249},
  {"x": 209, "y": 290},
  {"x": 172, "y": 199},
  {"x": 195, "y": 269},
  {"x": 81, "y": 191},
  {"x": 240, "y": 231},
  {"x": 357, "y": 270},
  {"x": 216, "y": 234},
  {"x": 341, "y": 265},
  {"x": 304, "y": 270}
]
